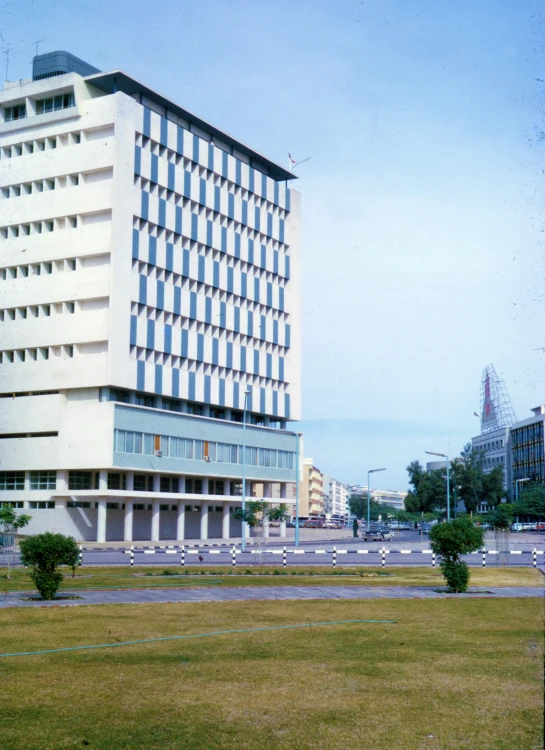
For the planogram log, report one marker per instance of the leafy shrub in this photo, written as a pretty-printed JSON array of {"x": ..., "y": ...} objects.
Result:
[
  {"x": 456, "y": 575},
  {"x": 450, "y": 541},
  {"x": 43, "y": 554}
]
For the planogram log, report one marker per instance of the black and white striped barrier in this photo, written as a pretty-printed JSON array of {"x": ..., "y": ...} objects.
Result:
[
  {"x": 285, "y": 552},
  {"x": 80, "y": 556}
]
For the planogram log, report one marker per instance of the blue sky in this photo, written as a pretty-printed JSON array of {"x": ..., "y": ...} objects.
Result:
[{"x": 422, "y": 229}]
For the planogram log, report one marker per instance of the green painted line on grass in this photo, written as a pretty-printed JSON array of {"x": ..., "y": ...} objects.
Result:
[{"x": 196, "y": 635}]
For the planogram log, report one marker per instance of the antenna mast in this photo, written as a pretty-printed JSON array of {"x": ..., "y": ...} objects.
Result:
[{"x": 496, "y": 408}]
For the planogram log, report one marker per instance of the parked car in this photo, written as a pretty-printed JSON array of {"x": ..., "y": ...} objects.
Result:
[{"x": 377, "y": 535}]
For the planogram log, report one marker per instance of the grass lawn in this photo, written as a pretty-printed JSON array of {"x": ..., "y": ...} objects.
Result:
[
  {"x": 125, "y": 577},
  {"x": 451, "y": 674}
]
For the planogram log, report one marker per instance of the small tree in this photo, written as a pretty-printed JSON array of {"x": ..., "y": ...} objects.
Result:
[
  {"x": 11, "y": 523},
  {"x": 501, "y": 517},
  {"x": 43, "y": 554},
  {"x": 450, "y": 541}
]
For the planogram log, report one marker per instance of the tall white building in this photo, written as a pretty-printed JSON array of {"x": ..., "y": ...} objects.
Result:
[
  {"x": 149, "y": 278},
  {"x": 338, "y": 499}
]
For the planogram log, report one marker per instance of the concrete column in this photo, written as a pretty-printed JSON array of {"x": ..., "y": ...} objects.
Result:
[
  {"x": 180, "y": 521},
  {"x": 267, "y": 489},
  {"x": 101, "y": 520},
  {"x": 225, "y": 521},
  {"x": 27, "y": 481},
  {"x": 282, "y": 528},
  {"x": 130, "y": 481},
  {"x": 102, "y": 481},
  {"x": 227, "y": 487},
  {"x": 157, "y": 483},
  {"x": 266, "y": 527},
  {"x": 181, "y": 485},
  {"x": 127, "y": 523},
  {"x": 204, "y": 520},
  {"x": 62, "y": 480},
  {"x": 283, "y": 490},
  {"x": 155, "y": 513},
  {"x": 205, "y": 486}
]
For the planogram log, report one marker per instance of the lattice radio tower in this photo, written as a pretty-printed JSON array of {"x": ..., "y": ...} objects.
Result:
[{"x": 496, "y": 408}]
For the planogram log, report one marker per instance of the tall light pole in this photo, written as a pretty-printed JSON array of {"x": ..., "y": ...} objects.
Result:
[
  {"x": 444, "y": 455},
  {"x": 297, "y": 438},
  {"x": 517, "y": 482},
  {"x": 371, "y": 471},
  {"x": 243, "y": 534}
]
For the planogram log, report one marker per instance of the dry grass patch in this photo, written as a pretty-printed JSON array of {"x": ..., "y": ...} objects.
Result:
[
  {"x": 467, "y": 672},
  {"x": 90, "y": 577}
]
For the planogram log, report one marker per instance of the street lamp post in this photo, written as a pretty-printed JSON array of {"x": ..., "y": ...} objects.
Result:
[
  {"x": 444, "y": 455},
  {"x": 297, "y": 438},
  {"x": 371, "y": 471},
  {"x": 243, "y": 534},
  {"x": 517, "y": 482}
]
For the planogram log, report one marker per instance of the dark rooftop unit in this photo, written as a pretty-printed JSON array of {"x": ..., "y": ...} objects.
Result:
[{"x": 58, "y": 63}]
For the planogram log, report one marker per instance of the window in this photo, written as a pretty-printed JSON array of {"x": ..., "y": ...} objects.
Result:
[
  {"x": 42, "y": 505},
  {"x": 12, "y": 480},
  {"x": 216, "y": 486},
  {"x": 117, "y": 481},
  {"x": 143, "y": 483},
  {"x": 54, "y": 103},
  {"x": 117, "y": 395},
  {"x": 80, "y": 480},
  {"x": 142, "y": 400},
  {"x": 17, "y": 112},
  {"x": 193, "y": 486},
  {"x": 43, "y": 480},
  {"x": 77, "y": 504}
]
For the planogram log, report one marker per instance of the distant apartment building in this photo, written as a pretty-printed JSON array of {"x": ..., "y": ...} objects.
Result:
[
  {"x": 393, "y": 498},
  {"x": 311, "y": 492},
  {"x": 339, "y": 495}
]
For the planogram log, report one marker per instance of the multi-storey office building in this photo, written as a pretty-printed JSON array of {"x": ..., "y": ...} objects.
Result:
[
  {"x": 528, "y": 450},
  {"x": 149, "y": 290},
  {"x": 339, "y": 495},
  {"x": 495, "y": 448}
]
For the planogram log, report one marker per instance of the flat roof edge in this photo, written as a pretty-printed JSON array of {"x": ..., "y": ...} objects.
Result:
[{"x": 117, "y": 80}]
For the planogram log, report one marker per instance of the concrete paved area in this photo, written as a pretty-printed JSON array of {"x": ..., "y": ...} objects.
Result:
[{"x": 269, "y": 593}]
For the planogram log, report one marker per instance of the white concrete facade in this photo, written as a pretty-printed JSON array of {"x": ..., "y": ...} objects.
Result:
[{"x": 149, "y": 276}]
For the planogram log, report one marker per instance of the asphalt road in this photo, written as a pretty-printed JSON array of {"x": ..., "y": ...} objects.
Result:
[{"x": 319, "y": 552}]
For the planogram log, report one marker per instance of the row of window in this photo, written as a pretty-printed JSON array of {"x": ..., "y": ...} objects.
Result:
[
  {"x": 186, "y": 407},
  {"x": 38, "y": 227},
  {"x": 36, "y": 354},
  {"x": 143, "y": 506},
  {"x": 38, "y": 480},
  {"x": 50, "y": 104},
  {"x": 494, "y": 461},
  {"x": 530, "y": 433},
  {"x": 37, "y": 311},
  {"x": 39, "y": 186},
  {"x": 196, "y": 368},
  {"x": 25, "y": 271},
  {"x": 40, "y": 144},
  {"x": 200, "y": 450},
  {"x": 207, "y": 152},
  {"x": 188, "y": 181}
]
